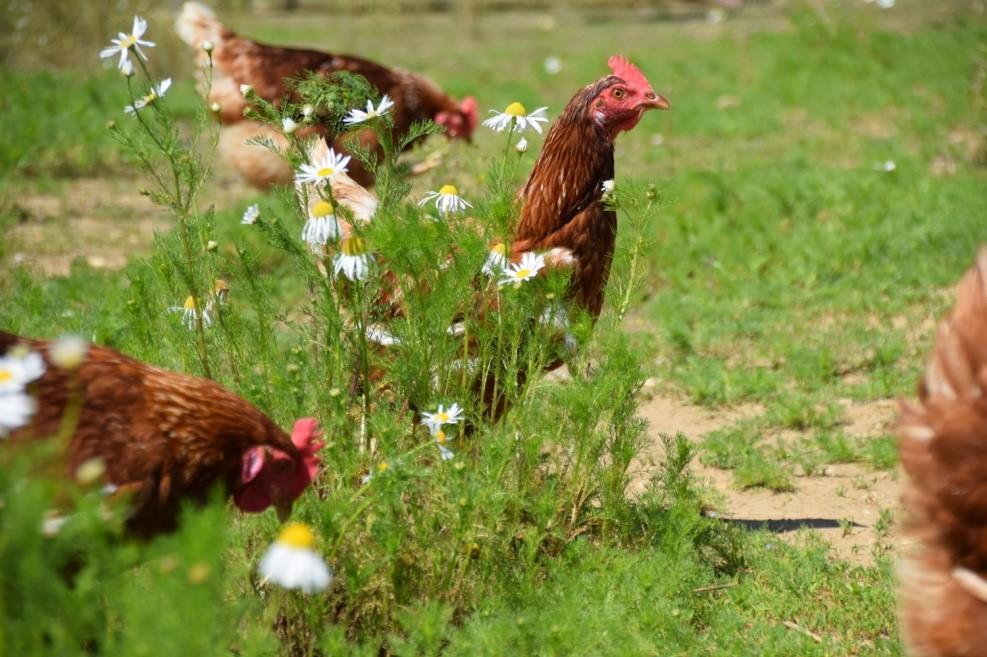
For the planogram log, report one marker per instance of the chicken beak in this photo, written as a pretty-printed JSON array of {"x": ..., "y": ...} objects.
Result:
[
  {"x": 656, "y": 102},
  {"x": 284, "y": 510}
]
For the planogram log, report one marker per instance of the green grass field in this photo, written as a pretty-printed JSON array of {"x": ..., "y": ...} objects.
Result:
[{"x": 784, "y": 265}]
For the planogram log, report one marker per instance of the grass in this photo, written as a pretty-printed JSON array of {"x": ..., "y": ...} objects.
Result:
[{"x": 786, "y": 268}]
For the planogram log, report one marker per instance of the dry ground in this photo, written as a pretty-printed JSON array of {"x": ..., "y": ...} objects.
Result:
[{"x": 844, "y": 505}]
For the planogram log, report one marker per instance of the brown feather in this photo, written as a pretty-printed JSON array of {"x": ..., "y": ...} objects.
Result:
[
  {"x": 237, "y": 60},
  {"x": 168, "y": 436},
  {"x": 944, "y": 452},
  {"x": 563, "y": 204}
]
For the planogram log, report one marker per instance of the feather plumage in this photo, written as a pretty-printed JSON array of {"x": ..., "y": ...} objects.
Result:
[{"x": 943, "y": 442}]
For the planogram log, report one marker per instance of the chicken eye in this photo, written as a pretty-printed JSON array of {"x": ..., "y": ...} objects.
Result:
[{"x": 619, "y": 93}]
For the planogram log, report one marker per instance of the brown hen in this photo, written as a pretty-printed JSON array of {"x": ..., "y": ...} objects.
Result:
[
  {"x": 943, "y": 435},
  {"x": 238, "y": 61},
  {"x": 165, "y": 438}
]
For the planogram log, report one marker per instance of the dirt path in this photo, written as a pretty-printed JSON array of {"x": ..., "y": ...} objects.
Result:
[
  {"x": 844, "y": 505},
  {"x": 95, "y": 220}
]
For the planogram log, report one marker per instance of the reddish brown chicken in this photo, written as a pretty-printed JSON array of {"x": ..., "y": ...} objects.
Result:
[
  {"x": 943, "y": 576},
  {"x": 563, "y": 204},
  {"x": 238, "y": 60},
  {"x": 165, "y": 438}
]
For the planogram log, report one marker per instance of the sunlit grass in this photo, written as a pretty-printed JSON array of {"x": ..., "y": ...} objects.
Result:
[{"x": 786, "y": 267}]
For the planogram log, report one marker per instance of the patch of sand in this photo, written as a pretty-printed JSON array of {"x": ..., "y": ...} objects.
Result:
[
  {"x": 103, "y": 222},
  {"x": 844, "y": 505}
]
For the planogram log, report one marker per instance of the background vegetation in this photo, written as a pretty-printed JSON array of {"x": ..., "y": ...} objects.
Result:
[{"x": 787, "y": 265}]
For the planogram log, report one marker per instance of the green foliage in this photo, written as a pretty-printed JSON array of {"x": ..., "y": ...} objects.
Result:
[{"x": 772, "y": 264}]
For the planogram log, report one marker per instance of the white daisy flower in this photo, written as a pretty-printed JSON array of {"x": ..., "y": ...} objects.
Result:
[
  {"x": 521, "y": 146},
  {"x": 246, "y": 89},
  {"x": 517, "y": 119},
  {"x": 292, "y": 563},
  {"x": 190, "y": 313},
  {"x": 327, "y": 168},
  {"x": 359, "y": 116},
  {"x": 608, "y": 187},
  {"x": 553, "y": 65},
  {"x": 69, "y": 351},
  {"x": 886, "y": 4},
  {"x": 353, "y": 261},
  {"x": 442, "y": 442},
  {"x": 435, "y": 421},
  {"x": 125, "y": 42},
  {"x": 156, "y": 92},
  {"x": 251, "y": 214},
  {"x": 288, "y": 125},
  {"x": 528, "y": 268},
  {"x": 321, "y": 226},
  {"x": 447, "y": 200},
  {"x": 496, "y": 261},
  {"x": 16, "y": 410},
  {"x": 19, "y": 368}
]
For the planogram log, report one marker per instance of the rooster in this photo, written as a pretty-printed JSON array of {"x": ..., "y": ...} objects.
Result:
[
  {"x": 165, "y": 438},
  {"x": 943, "y": 580},
  {"x": 237, "y": 61},
  {"x": 564, "y": 212}
]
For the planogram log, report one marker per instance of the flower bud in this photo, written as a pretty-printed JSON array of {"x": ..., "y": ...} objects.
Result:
[
  {"x": 127, "y": 69},
  {"x": 521, "y": 146},
  {"x": 288, "y": 125},
  {"x": 208, "y": 46},
  {"x": 246, "y": 90}
]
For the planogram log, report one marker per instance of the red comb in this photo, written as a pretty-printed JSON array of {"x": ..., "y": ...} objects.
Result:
[
  {"x": 623, "y": 68},
  {"x": 305, "y": 435}
]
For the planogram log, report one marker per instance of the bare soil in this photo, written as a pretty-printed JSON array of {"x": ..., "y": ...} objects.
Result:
[
  {"x": 98, "y": 221},
  {"x": 843, "y": 506}
]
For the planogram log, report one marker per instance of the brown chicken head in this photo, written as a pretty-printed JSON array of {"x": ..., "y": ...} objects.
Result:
[
  {"x": 271, "y": 477},
  {"x": 625, "y": 97},
  {"x": 460, "y": 123}
]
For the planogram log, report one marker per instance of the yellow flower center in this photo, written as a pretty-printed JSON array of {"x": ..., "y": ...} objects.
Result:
[
  {"x": 442, "y": 417},
  {"x": 6, "y": 375},
  {"x": 515, "y": 109},
  {"x": 448, "y": 190},
  {"x": 190, "y": 303},
  {"x": 321, "y": 209},
  {"x": 220, "y": 286},
  {"x": 325, "y": 172},
  {"x": 522, "y": 273},
  {"x": 129, "y": 42},
  {"x": 382, "y": 467},
  {"x": 297, "y": 535},
  {"x": 150, "y": 98},
  {"x": 440, "y": 436},
  {"x": 499, "y": 249},
  {"x": 353, "y": 246}
]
